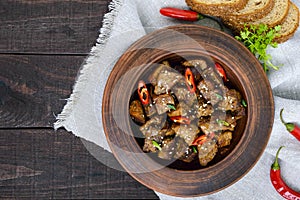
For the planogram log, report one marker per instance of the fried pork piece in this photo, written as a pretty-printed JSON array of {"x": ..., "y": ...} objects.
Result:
[
  {"x": 162, "y": 138},
  {"x": 153, "y": 126},
  {"x": 204, "y": 108},
  {"x": 174, "y": 148},
  {"x": 200, "y": 64},
  {"x": 210, "y": 93},
  {"x": 187, "y": 132},
  {"x": 150, "y": 110},
  {"x": 153, "y": 77},
  {"x": 136, "y": 111},
  {"x": 224, "y": 139},
  {"x": 207, "y": 151},
  {"x": 188, "y": 156},
  {"x": 167, "y": 77},
  {"x": 232, "y": 101},
  {"x": 162, "y": 103},
  {"x": 183, "y": 109},
  {"x": 183, "y": 95},
  {"x": 216, "y": 123}
]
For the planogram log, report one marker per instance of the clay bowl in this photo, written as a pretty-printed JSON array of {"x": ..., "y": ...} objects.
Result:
[{"x": 175, "y": 44}]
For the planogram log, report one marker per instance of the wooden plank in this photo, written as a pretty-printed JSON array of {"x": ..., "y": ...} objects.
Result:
[
  {"x": 50, "y": 26},
  {"x": 33, "y": 88},
  {"x": 46, "y": 164}
]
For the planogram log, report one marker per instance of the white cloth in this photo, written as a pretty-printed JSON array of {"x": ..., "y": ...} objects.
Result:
[{"x": 127, "y": 21}]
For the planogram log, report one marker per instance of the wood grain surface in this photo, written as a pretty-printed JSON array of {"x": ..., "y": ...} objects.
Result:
[{"x": 43, "y": 44}]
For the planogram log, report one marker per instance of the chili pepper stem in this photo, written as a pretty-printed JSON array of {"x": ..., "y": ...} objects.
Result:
[
  {"x": 289, "y": 126},
  {"x": 275, "y": 165}
]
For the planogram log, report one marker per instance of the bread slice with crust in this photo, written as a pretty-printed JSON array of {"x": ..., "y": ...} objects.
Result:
[
  {"x": 254, "y": 10},
  {"x": 290, "y": 25},
  {"x": 275, "y": 17},
  {"x": 216, "y": 8}
]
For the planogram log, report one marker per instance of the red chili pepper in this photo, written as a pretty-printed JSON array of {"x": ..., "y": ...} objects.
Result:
[
  {"x": 143, "y": 93},
  {"x": 187, "y": 15},
  {"x": 292, "y": 128},
  {"x": 221, "y": 71},
  {"x": 202, "y": 138},
  {"x": 281, "y": 187},
  {"x": 189, "y": 80},
  {"x": 180, "y": 119}
]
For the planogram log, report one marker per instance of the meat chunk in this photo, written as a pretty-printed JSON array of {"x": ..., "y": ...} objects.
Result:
[
  {"x": 187, "y": 132},
  {"x": 204, "y": 108},
  {"x": 162, "y": 103},
  {"x": 189, "y": 155},
  {"x": 206, "y": 152},
  {"x": 175, "y": 148},
  {"x": 200, "y": 64},
  {"x": 166, "y": 79},
  {"x": 216, "y": 123},
  {"x": 183, "y": 95},
  {"x": 153, "y": 77},
  {"x": 136, "y": 111},
  {"x": 153, "y": 126},
  {"x": 210, "y": 93},
  {"x": 232, "y": 100},
  {"x": 224, "y": 139}
]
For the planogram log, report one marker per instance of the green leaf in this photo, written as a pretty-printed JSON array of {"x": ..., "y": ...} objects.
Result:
[{"x": 257, "y": 38}]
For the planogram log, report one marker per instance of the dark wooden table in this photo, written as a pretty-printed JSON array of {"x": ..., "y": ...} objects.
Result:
[{"x": 42, "y": 46}]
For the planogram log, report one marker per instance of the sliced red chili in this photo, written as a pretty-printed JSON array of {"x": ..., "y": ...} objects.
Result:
[
  {"x": 200, "y": 140},
  {"x": 180, "y": 120},
  {"x": 187, "y": 15},
  {"x": 189, "y": 80},
  {"x": 143, "y": 93},
  {"x": 221, "y": 71}
]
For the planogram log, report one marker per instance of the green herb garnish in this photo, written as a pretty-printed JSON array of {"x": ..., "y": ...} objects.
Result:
[
  {"x": 219, "y": 96},
  {"x": 244, "y": 103},
  {"x": 156, "y": 145},
  {"x": 222, "y": 122},
  {"x": 194, "y": 149},
  {"x": 257, "y": 39},
  {"x": 171, "y": 106}
]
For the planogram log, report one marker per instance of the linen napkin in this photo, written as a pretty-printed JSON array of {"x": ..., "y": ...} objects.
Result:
[{"x": 129, "y": 20}]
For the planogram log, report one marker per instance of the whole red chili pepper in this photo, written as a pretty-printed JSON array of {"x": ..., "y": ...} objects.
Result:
[
  {"x": 186, "y": 15},
  {"x": 281, "y": 187},
  {"x": 292, "y": 128},
  {"x": 189, "y": 80},
  {"x": 143, "y": 93},
  {"x": 221, "y": 71},
  {"x": 180, "y": 119}
]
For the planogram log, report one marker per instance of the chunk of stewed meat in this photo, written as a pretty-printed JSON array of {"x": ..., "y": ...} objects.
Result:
[
  {"x": 232, "y": 100},
  {"x": 136, "y": 111},
  {"x": 153, "y": 126},
  {"x": 163, "y": 103},
  {"x": 175, "y": 148},
  {"x": 224, "y": 139},
  {"x": 217, "y": 123},
  {"x": 207, "y": 151},
  {"x": 166, "y": 79},
  {"x": 187, "y": 132},
  {"x": 183, "y": 95}
]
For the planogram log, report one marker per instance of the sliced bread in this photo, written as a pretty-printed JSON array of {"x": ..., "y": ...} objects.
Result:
[
  {"x": 216, "y": 7},
  {"x": 289, "y": 25},
  {"x": 254, "y": 10},
  {"x": 275, "y": 17}
]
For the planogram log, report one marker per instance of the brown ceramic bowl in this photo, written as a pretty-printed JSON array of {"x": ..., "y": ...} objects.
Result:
[{"x": 175, "y": 44}]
